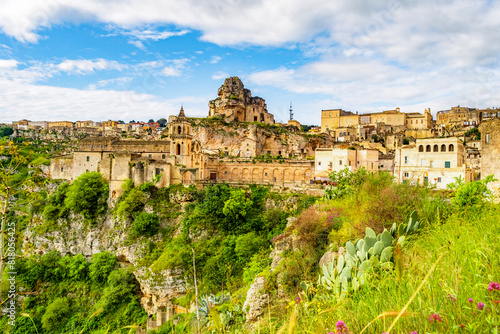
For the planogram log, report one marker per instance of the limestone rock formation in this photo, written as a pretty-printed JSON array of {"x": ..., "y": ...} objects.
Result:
[{"x": 235, "y": 102}]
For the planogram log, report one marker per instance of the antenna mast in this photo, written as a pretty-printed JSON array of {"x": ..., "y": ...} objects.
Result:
[{"x": 291, "y": 111}]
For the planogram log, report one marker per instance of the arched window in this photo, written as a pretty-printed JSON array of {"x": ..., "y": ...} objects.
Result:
[
  {"x": 178, "y": 149},
  {"x": 443, "y": 148},
  {"x": 428, "y": 148},
  {"x": 421, "y": 148},
  {"x": 179, "y": 130},
  {"x": 450, "y": 148},
  {"x": 436, "y": 148}
]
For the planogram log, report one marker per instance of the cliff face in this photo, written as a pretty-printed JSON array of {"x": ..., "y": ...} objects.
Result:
[
  {"x": 73, "y": 236},
  {"x": 257, "y": 140}
]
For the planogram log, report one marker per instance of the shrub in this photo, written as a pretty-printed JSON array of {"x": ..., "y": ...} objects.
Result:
[
  {"x": 146, "y": 224},
  {"x": 56, "y": 314},
  {"x": 102, "y": 264},
  {"x": 471, "y": 193},
  {"x": 131, "y": 204},
  {"x": 88, "y": 195}
]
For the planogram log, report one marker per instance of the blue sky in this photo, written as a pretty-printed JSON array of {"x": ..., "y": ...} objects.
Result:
[{"x": 131, "y": 59}]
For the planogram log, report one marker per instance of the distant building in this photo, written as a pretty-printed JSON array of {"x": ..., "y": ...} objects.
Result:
[
  {"x": 62, "y": 124},
  {"x": 328, "y": 160},
  {"x": 435, "y": 161}
]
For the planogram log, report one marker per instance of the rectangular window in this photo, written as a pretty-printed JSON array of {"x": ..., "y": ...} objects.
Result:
[
  {"x": 447, "y": 164},
  {"x": 406, "y": 174},
  {"x": 88, "y": 158},
  {"x": 349, "y": 162},
  {"x": 488, "y": 138},
  {"x": 157, "y": 171},
  {"x": 432, "y": 164},
  {"x": 163, "y": 156},
  {"x": 340, "y": 162},
  {"x": 406, "y": 160},
  {"x": 62, "y": 169},
  {"x": 423, "y": 163},
  {"x": 150, "y": 156},
  {"x": 439, "y": 180},
  {"x": 319, "y": 163}
]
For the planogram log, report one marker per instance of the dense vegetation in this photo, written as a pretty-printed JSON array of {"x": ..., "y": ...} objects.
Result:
[{"x": 443, "y": 274}]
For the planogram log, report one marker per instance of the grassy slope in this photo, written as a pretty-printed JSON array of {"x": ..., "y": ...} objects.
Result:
[{"x": 470, "y": 242}]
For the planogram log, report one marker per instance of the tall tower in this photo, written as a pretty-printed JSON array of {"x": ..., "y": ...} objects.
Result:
[
  {"x": 179, "y": 131},
  {"x": 291, "y": 111}
]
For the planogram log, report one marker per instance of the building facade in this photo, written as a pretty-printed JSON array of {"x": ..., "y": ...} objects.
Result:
[{"x": 436, "y": 161}]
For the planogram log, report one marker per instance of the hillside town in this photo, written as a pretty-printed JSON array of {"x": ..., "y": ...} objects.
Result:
[{"x": 240, "y": 143}]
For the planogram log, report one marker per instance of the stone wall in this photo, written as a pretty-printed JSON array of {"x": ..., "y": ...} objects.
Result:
[{"x": 490, "y": 152}]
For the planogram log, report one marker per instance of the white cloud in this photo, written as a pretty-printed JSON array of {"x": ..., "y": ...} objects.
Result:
[
  {"x": 116, "y": 81},
  {"x": 8, "y": 64},
  {"x": 138, "y": 44},
  {"x": 220, "y": 75},
  {"x": 85, "y": 66},
  {"x": 19, "y": 100},
  {"x": 152, "y": 34},
  {"x": 215, "y": 59},
  {"x": 171, "y": 72}
]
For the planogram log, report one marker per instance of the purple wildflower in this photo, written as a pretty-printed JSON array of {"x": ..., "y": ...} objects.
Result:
[
  {"x": 297, "y": 300},
  {"x": 341, "y": 327},
  {"x": 480, "y": 306},
  {"x": 493, "y": 286},
  {"x": 435, "y": 318},
  {"x": 471, "y": 300},
  {"x": 414, "y": 332},
  {"x": 450, "y": 297}
]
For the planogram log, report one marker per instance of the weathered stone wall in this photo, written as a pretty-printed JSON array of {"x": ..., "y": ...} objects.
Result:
[
  {"x": 490, "y": 146},
  {"x": 284, "y": 174}
]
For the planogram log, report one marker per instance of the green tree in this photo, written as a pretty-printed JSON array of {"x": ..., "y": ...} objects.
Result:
[
  {"x": 5, "y": 132},
  {"x": 56, "y": 314},
  {"x": 88, "y": 195},
  {"x": 132, "y": 204},
  {"x": 236, "y": 209},
  {"x": 102, "y": 265},
  {"x": 162, "y": 122},
  {"x": 146, "y": 224},
  {"x": 10, "y": 185}
]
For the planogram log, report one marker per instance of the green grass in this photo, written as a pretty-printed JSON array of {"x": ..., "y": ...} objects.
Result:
[{"x": 470, "y": 245}]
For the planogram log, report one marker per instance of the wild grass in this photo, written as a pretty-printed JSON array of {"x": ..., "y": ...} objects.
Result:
[{"x": 466, "y": 251}]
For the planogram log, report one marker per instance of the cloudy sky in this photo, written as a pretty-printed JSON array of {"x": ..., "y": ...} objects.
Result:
[{"x": 140, "y": 59}]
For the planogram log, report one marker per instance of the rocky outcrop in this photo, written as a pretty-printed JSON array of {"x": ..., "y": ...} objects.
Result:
[
  {"x": 235, "y": 102},
  {"x": 257, "y": 299}
]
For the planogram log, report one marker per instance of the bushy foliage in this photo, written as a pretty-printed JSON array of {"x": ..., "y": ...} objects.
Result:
[
  {"x": 6, "y": 131},
  {"x": 56, "y": 315},
  {"x": 55, "y": 207},
  {"x": 469, "y": 194},
  {"x": 87, "y": 195},
  {"x": 102, "y": 265},
  {"x": 146, "y": 224}
]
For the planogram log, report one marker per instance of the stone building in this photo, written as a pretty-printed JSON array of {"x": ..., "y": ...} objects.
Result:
[
  {"x": 337, "y": 159},
  {"x": 419, "y": 121},
  {"x": 435, "y": 161},
  {"x": 235, "y": 102},
  {"x": 490, "y": 152},
  {"x": 335, "y": 119},
  {"x": 178, "y": 159},
  {"x": 458, "y": 116}
]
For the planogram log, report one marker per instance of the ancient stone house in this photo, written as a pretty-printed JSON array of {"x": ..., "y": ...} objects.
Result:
[{"x": 235, "y": 102}]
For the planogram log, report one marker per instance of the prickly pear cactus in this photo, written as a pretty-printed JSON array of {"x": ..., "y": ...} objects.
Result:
[{"x": 350, "y": 271}]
